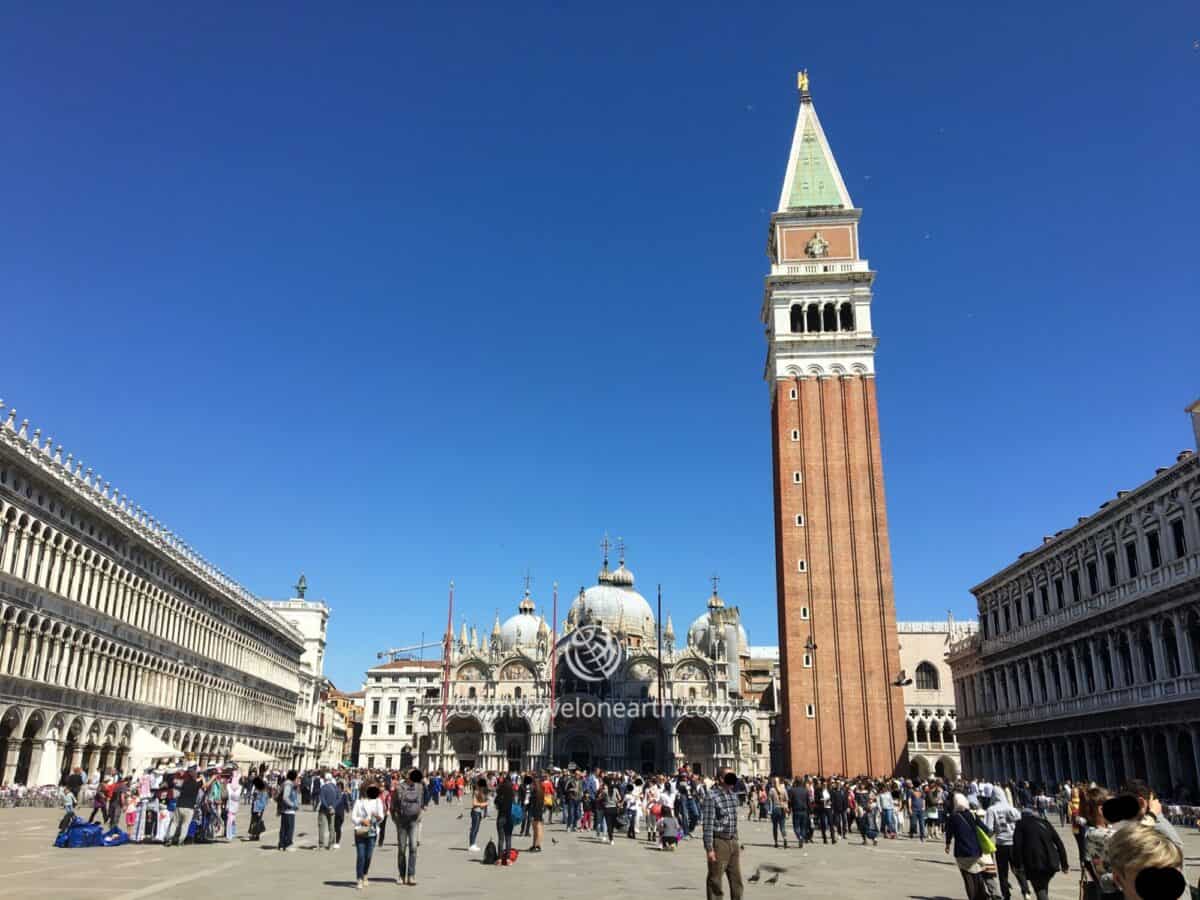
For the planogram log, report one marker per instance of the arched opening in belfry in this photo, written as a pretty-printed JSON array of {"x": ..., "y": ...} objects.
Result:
[
  {"x": 846, "y": 314},
  {"x": 797, "y": 314},
  {"x": 829, "y": 318},
  {"x": 813, "y": 318}
]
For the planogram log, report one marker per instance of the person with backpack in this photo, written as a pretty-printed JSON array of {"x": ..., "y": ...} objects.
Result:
[
  {"x": 407, "y": 804},
  {"x": 505, "y": 803},
  {"x": 258, "y": 807},
  {"x": 328, "y": 798},
  {"x": 572, "y": 812}
]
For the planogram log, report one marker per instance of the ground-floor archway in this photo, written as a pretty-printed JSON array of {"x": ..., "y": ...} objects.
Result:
[
  {"x": 466, "y": 740},
  {"x": 697, "y": 740}
]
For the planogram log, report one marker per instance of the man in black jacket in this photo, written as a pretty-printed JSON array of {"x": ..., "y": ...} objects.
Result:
[
  {"x": 798, "y": 801},
  {"x": 1038, "y": 851}
]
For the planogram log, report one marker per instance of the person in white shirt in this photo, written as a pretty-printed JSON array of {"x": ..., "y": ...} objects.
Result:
[{"x": 365, "y": 817}]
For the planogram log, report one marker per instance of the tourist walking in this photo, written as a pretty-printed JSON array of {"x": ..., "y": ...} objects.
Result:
[
  {"x": 328, "y": 798},
  {"x": 366, "y": 816},
  {"x": 289, "y": 802},
  {"x": 258, "y": 808},
  {"x": 407, "y": 803},
  {"x": 1038, "y": 852},
  {"x": 1001, "y": 820},
  {"x": 720, "y": 835},
  {"x": 798, "y": 802},
  {"x": 232, "y": 805},
  {"x": 535, "y": 812},
  {"x": 977, "y": 868}
]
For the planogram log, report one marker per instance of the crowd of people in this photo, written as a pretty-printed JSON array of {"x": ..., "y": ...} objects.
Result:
[{"x": 1125, "y": 845}]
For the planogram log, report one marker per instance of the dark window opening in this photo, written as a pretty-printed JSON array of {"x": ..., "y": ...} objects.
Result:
[
  {"x": 1032, "y": 606},
  {"x": 1058, "y": 592},
  {"x": 927, "y": 677},
  {"x": 1045, "y": 600},
  {"x": 1075, "y": 586},
  {"x": 1131, "y": 559},
  {"x": 1007, "y": 620},
  {"x": 1110, "y": 564},
  {"x": 797, "y": 319},
  {"x": 829, "y": 319},
  {"x": 813, "y": 318},
  {"x": 1178, "y": 538},
  {"x": 1093, "y": 578},
  {"x": 1155, "y": 550},
  {"x": 847, "y": 317}
]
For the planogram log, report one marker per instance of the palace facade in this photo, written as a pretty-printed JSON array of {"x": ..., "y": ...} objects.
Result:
[
  {"x": 112, "y": 627},
  {"x": 1087, "y": 660}
]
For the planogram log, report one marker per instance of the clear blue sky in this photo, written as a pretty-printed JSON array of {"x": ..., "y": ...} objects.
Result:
[{"x": 397, "y": 295}]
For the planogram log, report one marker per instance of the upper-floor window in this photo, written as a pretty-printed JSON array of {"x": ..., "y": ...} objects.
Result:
[
  {"x": 1093, "y": 578},
  {"x": 1058, "y": 592},
  {"x": 1152, "y": 544},
  {"x": 1007, "y": 619},
  {"x": 1178, "y": 538},
  {"x": 1131, "y": 558},
  {"x": 1045, "y": 595},
  {"x": 1110, "y": 568},
  {"x": 1074, "y": 574},
  {"x": 392, "y": 707},
  {"x": 1032, "y": 606},
  {"x": 374, "y": 707},
  {"x": 927, "y": 677},
  {"x": 797, "y": 319}
]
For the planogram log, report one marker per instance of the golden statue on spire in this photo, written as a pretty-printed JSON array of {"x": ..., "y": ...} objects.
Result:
[{"x": 802, "y": 80}]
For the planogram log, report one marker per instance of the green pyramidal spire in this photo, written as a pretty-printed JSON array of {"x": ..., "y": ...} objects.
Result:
[{"x": 812, "y": 176}]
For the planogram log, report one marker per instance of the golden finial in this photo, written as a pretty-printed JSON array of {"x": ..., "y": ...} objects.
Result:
[{"x": 802, "y": 81}]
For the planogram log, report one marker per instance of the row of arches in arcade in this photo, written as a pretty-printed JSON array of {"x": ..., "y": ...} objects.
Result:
[{"x": 41, "y": 746}]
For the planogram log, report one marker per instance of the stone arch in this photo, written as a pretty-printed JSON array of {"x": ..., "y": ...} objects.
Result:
[
  {"x": 919, "y": 768},
  {"x": 696, "y": 737},
  {"x": 946, "y": 768}
]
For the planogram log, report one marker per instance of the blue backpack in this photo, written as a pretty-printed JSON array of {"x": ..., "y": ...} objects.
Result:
[{"x": 518, "y": 813}]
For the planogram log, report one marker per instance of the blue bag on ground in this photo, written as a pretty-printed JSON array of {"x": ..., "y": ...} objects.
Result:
[{"x": 80, "y": 834}]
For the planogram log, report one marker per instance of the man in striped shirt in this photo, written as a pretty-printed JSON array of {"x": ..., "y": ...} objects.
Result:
[{"x": 720, "y": 815}]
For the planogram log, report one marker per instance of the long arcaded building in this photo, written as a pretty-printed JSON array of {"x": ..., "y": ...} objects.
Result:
[{"x": 111, "y": 626}]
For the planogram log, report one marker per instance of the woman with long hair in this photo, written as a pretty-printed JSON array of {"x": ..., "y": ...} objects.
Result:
[
  {"x": 365, "y": 817},
  {"x": 479, "y": 805}
]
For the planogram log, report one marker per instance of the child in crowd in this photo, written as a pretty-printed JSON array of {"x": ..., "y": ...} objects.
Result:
[{"x": 668, "y": 829}]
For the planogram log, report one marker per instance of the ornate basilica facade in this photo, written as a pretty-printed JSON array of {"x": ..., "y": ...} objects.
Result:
[{"x": 500, "y": 703}]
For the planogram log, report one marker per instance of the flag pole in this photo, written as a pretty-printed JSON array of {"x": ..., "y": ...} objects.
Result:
[
  {"x": 660, "y": 664},
  {"x": 446, "y": 666},
  {"x": 553, "y": 667}
]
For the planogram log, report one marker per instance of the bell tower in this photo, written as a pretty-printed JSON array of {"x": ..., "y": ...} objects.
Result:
[{"x": 843, "y": 711}]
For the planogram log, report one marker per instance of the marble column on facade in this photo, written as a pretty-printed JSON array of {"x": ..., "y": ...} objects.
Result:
[
  {"x": 1174, "y": 764},
  {"x": 1108, "y": 751},
  {"x": 1127, "y": 755},
  {"x": 1187, "y": 660},
  {"x": 1156, "y": 646},
  {"x": 10, "y": 761}
]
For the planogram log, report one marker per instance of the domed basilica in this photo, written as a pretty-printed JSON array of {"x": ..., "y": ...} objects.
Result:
[{"x": 705, "y": 704}]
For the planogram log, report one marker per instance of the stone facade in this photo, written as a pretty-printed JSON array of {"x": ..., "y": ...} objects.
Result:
[
  {"x": 391, "y": 727},
  {"x": 929, "y": 714},
  {"x": 313, "y": 726},
  {"x": 1085, "y": 664},
  {"x": 842, "y": 711},
  {"x": 109, "y": 622}
]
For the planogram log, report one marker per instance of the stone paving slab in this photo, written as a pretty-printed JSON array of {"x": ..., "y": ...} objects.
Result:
[{"x": 573, "y": 866}]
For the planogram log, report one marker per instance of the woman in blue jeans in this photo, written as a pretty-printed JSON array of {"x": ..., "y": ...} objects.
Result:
[
  {"x": 366, "y": 816},
  {"x": 479, "y": 805}
]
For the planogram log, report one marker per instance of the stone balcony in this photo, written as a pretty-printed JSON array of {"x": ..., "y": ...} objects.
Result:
[
  {"x": 821, "y": 267},
  {"x": 1177, "y": 571},
  {"x": 1183, "y": 687}
]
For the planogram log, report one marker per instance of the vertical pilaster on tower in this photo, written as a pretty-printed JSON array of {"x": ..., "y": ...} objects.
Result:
[{"x": 837, "y": 619}]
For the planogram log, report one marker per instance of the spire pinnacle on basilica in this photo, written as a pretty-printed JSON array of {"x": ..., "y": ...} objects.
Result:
[{"x": 813, "y": 178}]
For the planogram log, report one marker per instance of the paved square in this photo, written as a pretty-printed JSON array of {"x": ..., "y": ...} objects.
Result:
[{"x": 573, "y": 865}]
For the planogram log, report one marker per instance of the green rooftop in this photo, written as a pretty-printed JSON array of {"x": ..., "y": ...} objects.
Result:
[{"x": 814, "y": 183}]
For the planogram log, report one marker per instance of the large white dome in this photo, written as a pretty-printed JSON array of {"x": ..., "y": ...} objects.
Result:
[
  {"x": 616, "y": 607},
  {"x": 519, "y": 631},
  {"x": 705, "y": 632}
]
